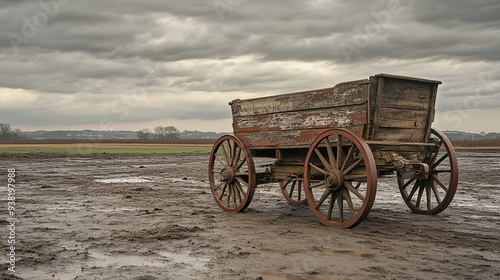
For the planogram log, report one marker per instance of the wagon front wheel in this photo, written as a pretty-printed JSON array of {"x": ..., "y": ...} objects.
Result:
[
  {"x": 231, "y": 173},
  {"x": 340, "y": 178},
  {"x": 434, "y": 194}
]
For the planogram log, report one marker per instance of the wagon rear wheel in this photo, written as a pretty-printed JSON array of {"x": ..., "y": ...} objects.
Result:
[
  {"x": 433, "y": 195},
  {"x": 340, "y": 178},
  {"x": 231, "y": 173},
  {"x": 293, "y": 190}
]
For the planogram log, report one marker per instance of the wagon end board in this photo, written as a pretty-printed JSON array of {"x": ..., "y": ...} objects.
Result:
[{"x": 402, "y": 108}]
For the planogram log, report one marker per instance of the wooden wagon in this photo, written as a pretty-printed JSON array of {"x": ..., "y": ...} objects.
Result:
[{"x": 332, "y": 144}]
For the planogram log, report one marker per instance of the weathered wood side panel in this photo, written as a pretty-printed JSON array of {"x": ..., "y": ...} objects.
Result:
[
  {"x": 287, "y": 138},
  {"x": 303, "y": 120},
  {"x": 402, "y": 118},
  {"x": 295, "y": 120},
  {"x": 403, "y": 109},
  {"x": 343, "y": 94}
]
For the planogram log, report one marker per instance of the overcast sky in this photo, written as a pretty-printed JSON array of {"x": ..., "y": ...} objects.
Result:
[{"x": 127, "y": 65}]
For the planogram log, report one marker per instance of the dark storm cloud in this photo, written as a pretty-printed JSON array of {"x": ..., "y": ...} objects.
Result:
[
  {"x": 277, "y": 30},
  {"x": 100, "y": 50}
]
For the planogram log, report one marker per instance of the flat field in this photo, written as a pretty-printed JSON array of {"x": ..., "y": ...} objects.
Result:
[
  {"x": 145, "y": 217},
  {"x": 87, "y": 147}
]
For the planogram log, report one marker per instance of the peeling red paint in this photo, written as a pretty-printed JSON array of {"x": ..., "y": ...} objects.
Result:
[{"x": 294, "y": 120}]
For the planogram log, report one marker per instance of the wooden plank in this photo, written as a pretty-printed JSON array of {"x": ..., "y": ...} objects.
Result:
[
  {"x": 431, "y": 112},
  {"x": 372, "y": 98},
  {"x": 407, "y": 94},
  {"x": 303, "y": 120},
  {"x": 285, "y": 139},
  {"x": 400, "y": 134},
  {"x": 344, "y": 94},
  {"x": 402, "y": 124},
  {"x": 376, "y": 109},
  {"x": 410, "y": 78},
  {"x": 391, "y": 117}
]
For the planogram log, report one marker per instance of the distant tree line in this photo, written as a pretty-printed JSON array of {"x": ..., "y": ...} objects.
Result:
[
  {"x": 159, "y": 133},
  {"x": 9, "y": 133}
]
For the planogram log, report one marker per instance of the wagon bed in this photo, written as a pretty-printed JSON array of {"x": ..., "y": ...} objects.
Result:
[
  {"x": 354, "y": 131},
  {"x": 383, "y": 108}
]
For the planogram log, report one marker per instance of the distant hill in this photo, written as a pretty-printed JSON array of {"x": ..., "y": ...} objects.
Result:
[
  {"x": 459, "y": 135},
  {"x": 195, "y": 134},
  {"x": 97, "y": 134}
]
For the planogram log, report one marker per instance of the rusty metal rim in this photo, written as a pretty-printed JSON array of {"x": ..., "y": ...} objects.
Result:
[
  {"x": 452, "y": 188},
  {"x": 251, "y": 174},
  {"x": 371, "y": 171}
]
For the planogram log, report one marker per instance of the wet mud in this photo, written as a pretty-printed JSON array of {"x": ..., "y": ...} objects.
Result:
[{"x": 153, "y": 217}]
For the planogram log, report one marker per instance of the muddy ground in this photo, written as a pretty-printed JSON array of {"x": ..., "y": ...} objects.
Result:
[{"x": 153, "y": 217}]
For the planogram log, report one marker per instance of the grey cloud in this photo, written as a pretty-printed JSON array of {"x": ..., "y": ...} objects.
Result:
[{"x": 108, "y": 48}]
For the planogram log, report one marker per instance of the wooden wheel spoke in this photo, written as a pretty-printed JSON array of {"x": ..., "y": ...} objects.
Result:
[
  {"x": 325, "y": 195},
  {"x": 286, "y": 184},
  {"x": 226, "y": 157},
  {"x": 436, "y": 193},
  {"x": 339, "y": 150},
  {"x": 319, "y": 169},
  {"x": 223, "y": 191},
  {"x": 354, "y": 190},
  {"x": 292, "y": 188},
  {"x": 340, "y": 199},
  {"x": 220, "y": 160},
  {"x": 330, "y": 153},
  {"x": 236, "y": 191},
  {"x": 240, "y": 188},
  {"x": 322, "y": 183},
  {"x": 242, "y": 181},
  {"x": 436, "y": 179},
  {"x": 415, "y": 188},
  {"x": 230, "y": 191},
  {"x": 239, "y": 165},
  {"x": 354, "y": 177},
  {"x": 428, "y": 191},
  {"x": 300, "y": 189},
  {"x": 219, "y": 185},
  {"x": 408, "y": 183},
  {"x": 347, "y": 196},
  {"x": 420, "y": 193},
  {"x": 323, "y": 160},
  {"x": 350, "y": 168},
  {"x": 435, "y": 155},
  {"x": 349, "y": 154},
  {"x": 439, "y": 161},
  {"x": 330, "y": 207},
  {"x": 231, "y": 152},
  {"x": 442, "y": 171},
  {"x": 237, "y": 156}
]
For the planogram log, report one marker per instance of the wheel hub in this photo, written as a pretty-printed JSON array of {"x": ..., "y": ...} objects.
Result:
[
  {"x": 228, "y": 174},
  {"x": 334, "y": 179}
]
